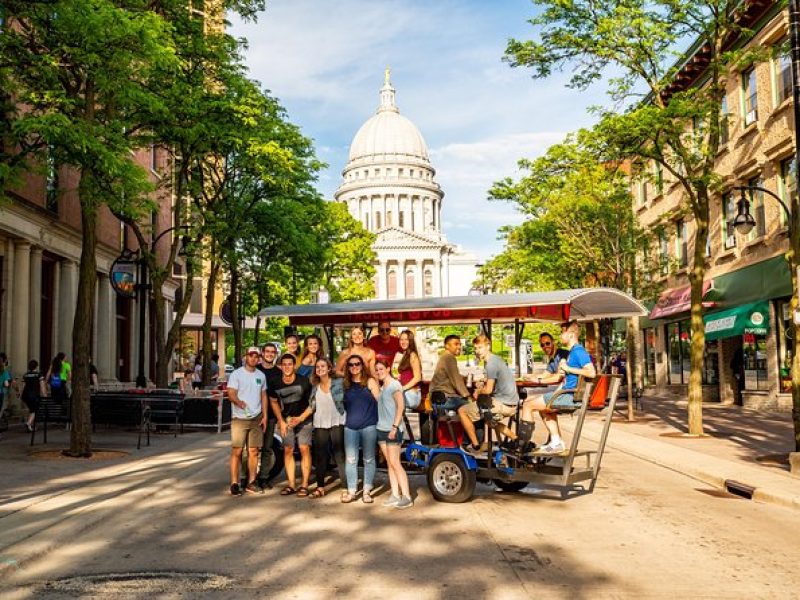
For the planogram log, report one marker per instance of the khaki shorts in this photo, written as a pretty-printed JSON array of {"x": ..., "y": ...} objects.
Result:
[
  {"x": 499, "y": 410},
  {"x": 247, "y": 430}
]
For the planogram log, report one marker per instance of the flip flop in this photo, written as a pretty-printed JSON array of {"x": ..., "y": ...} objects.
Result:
[
  {"x": 317, "y": 493},
  {"x": 302, "y": 492},
  {"x": 366, "y": 498},
  {"x": 288, "y": 491},
  {"x": 347, "y": 498}
]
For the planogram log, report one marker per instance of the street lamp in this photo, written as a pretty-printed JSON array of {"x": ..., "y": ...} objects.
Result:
[
  {"x": 142, "y": 286},
  {"x": 744, "y": 220}
]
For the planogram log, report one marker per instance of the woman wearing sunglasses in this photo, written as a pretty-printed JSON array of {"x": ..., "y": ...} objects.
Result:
[
  {"x": 361, "y": 394},
  {"x": 356, "y": 347},
  {"x": 391, "y": 406}
]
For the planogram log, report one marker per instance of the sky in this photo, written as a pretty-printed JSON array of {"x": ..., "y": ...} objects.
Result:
[{"x": 324, "y": 60}]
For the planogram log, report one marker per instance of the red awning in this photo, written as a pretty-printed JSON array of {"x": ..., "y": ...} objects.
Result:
[{"x": 678, "y": 300}]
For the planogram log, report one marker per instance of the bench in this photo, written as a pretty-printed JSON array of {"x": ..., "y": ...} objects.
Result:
[
  {"x": 50, "y": 411},
  {"x": 140, "y": 410}
]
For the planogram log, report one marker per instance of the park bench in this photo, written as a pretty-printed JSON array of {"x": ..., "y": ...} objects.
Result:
[{"x": 50, "y": 411}]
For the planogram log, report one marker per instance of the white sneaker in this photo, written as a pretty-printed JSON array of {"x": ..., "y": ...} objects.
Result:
[
  {"x": 553, "y": 448},
  {"x": 404, "y": 502},
  {"x": 392, "y": 501}
]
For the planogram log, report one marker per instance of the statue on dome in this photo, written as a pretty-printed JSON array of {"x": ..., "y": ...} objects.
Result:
[{"x": 386, "y": 74}]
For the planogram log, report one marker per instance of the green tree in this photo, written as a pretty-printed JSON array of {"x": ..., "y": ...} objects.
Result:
[
  {"x": 79, "y": 73},
  {"x": 677, "y": 127}
]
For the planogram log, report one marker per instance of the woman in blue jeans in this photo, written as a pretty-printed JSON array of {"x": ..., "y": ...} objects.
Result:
[{"x": 361, "y": 394}]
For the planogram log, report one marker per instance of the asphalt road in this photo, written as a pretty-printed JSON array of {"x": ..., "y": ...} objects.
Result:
[{"x": 164, "y": 527}]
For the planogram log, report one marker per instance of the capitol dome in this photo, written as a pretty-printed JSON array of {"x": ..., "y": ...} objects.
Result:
[{"x": 388, "y": 136}]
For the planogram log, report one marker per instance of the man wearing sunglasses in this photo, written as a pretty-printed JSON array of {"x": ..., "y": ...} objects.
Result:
[
  {"x": 385, "y": 345},
  {"x": 552, "y": 356}
]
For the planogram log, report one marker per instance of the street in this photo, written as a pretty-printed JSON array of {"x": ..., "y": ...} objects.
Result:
[{"x": 166, "y": 523}]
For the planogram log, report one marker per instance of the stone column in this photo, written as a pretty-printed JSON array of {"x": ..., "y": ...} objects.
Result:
[
  {"x": 396, "y": 216},
  {"x": 446, "y": 274},
  {"x": 8, "y": 295},
  {"x": 35, "y": 310},
  {"x": 19, "y": 325},
  {"x": 67, "y": 302},
  {"x": 56, "y": 304},
  {"x": 419, "y": 283},
  {"x": 382, "y": 293},
  {"x": 401, "y": 279},
  {"x": 104, "y": 350},
  {"x": 436, "y": 283}
]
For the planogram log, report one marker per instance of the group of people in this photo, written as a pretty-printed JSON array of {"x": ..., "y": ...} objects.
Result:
[
  {"x": 346, "y": 409},
  {"x": 563, "y": 368},
  {"x": 350, "y": 407},
  {"x": 55, "y": 382}
]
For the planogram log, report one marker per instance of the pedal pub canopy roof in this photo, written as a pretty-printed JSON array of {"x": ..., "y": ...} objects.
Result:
[{"x": 585, "y": 304}]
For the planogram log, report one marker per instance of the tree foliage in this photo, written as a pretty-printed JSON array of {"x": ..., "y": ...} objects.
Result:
[{"x": 676, "y": 126}]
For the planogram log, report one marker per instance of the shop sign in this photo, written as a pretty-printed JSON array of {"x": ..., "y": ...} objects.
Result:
[
  {"x": 123, "y": 274},
  {"x": 748, "y": 320}
]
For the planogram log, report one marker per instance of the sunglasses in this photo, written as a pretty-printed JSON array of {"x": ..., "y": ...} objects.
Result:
[
  {"x": 546, "y": 344},
  {"x": 385, "y": 329},
  {"x": 354, "y": 364}
]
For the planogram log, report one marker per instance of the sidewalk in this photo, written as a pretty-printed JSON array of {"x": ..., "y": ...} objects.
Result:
[{"x": 741, "y": 445}]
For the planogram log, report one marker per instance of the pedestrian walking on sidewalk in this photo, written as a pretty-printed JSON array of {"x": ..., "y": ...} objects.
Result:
[{"x": 33, "y": 382}]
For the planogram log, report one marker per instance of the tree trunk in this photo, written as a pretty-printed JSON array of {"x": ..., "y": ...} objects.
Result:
[
  {"x": 81, "y": 434},
  {"x": 632, "y": 363},
  {"x": 698, "y": 342},
  {"x": 210, "y": 290}
]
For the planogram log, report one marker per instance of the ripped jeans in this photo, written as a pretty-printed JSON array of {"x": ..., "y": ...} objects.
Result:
[{"x": 368, "y": 439}]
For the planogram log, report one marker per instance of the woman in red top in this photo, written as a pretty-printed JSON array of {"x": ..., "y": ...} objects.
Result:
[{"x": 409, "y": 370}]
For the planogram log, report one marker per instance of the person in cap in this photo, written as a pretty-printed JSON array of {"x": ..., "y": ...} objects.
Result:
[{"x": 247, "y": 392}]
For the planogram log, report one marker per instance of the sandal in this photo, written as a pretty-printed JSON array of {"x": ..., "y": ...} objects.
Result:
[
  {"x": 366, "y": 498},
  {"x": 288, "y": 491},
  {"x": 347, "y": 498},
  {"x": 317, "y": 493},
  {"x": 302, "y": 492}
]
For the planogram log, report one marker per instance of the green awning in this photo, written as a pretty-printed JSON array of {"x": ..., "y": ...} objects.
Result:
[
  {"x": 763, "y": 280},
  {"x": 749, "y": 318}
]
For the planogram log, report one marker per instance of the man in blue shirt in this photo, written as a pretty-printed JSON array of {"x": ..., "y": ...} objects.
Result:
[{"x": 577, "y": 363}]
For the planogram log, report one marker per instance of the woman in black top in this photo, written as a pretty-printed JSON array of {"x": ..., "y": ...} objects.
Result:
[{"x": 32, "y": 391}]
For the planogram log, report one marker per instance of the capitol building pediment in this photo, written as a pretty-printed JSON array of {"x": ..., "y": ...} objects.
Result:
[{"x": 389, "y": 186}]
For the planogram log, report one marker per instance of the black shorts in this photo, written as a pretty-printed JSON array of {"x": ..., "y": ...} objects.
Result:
[{"x": 383, "y": 437}]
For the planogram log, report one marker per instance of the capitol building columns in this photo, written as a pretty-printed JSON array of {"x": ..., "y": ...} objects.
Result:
[{"x": 389, "y": 185}]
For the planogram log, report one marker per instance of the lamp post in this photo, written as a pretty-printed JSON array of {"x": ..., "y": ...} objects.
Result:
[{"x": 141, "y": 287}]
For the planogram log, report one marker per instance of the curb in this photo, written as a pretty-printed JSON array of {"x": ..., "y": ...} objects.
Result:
[{"x": 781, "y": 489}]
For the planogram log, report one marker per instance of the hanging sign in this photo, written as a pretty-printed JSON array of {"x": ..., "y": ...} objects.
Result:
[{"x": 123, "y": 274}]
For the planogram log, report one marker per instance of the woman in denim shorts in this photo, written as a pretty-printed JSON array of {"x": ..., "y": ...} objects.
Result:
[{"x": 390, "y": 434}]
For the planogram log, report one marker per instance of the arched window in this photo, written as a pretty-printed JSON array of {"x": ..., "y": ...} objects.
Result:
[
  {"x": 391, "y": 284},
  {"x": 428, "y": 282},
  {"x": 377, "y": 220},
  {"x": 410, "y": 289},
  {"x": 388, "y": 218}
]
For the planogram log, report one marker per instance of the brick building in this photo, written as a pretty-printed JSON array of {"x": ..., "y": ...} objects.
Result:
[{"x": 747, "y": 279}]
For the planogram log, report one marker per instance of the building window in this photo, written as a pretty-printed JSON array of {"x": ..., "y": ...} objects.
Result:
[
  {"x": 428, "y": 283},
  {"x": 728, "y": 214},
  {"x": 399, "y": 172},
  {"x": 410, "y": 287},
  {"x": 785, "y": 344},
  {"x": 724, "y": 133},
  {"x": 754, "y": 349},
  {"x": 388, "y": 218},
  {"x": 757, "y": 209},
  {"x": 783, "y": 72},
  {"x": 682, "y": 243},
  {"x": 401, "y": 216},
  {"x": 51, "y": 183},
  {"x": 391, "y": 284},
  {"x": 750, "y": 94},
  {"x": 658, "y": 178},
  {"x": 377, "y": 172},
  {"x": 642, "y": 192},
  {"x": 377, "y": 220},
  {"x": 663, "y": 252},
  {"x": 788, "y": 184},
  {"x": 679, "y": 357}
]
